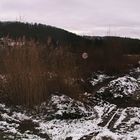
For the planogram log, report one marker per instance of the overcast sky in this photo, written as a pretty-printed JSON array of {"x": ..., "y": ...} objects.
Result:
[{"x": 90, "y": 17}]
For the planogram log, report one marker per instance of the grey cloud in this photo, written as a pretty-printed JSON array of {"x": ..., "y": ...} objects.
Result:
[{"x": 92, "y": 17}]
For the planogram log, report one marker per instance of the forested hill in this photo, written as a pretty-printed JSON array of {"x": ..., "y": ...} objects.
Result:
[{"x": 40, "y": 32}]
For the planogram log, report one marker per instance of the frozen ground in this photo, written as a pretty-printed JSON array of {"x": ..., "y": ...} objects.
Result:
[
  {"x": 66, "y": 119},
  {"x": 104, "y": 120}
]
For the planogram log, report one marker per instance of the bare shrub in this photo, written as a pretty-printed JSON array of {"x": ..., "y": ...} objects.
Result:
[{"x": 109, "y": 58}]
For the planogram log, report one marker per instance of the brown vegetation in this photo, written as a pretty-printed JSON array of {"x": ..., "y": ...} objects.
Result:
[{"x": 33, "y": 72}]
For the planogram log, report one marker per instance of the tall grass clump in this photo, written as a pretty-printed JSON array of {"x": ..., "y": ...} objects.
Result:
[
  {"x": 25, "y": 75},
  {"x": 34, "y": 72}
]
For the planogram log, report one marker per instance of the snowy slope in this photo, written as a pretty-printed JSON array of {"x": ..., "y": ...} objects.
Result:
[
  {"x": 65, "y": 118},
  {"x": 106, "y": 120}
]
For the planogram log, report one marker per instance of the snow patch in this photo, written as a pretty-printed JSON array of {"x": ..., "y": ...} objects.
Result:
[
  {"x": 98, "y": 78},
  {"x": 123, "y": 86}
]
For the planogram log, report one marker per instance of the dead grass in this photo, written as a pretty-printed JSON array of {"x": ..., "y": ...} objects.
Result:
[
  {"x": 33, "y": 72},
  {"x": 31, "y": 78}
]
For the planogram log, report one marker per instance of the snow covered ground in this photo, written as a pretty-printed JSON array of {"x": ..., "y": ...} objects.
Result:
[
  {"x": 64, "y": 118},
  {"x": 104, "y": 120},
  {"x": 125, "y": 86}
]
